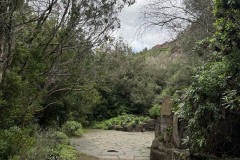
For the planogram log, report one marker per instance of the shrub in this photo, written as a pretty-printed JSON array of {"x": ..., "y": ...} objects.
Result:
[
  {"x": 126, "y": 119},
  {"x": 60, "y": 136},
  {"x": 155, "y": 111},
  {"x": 49, "y": 144},
  {"x": 67, "y": 152},
  {"x": 72, "y": 128},
  {"x": 161, "y": 138},
  {"x": 169, "y": 131},
  {"x": 14, "y": 141}
]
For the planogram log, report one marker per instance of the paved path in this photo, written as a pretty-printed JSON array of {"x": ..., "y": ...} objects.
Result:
[{"x": 111, "y": 144}]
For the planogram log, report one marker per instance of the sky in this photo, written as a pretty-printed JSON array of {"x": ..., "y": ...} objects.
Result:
[{"x": 130, "y": 23}]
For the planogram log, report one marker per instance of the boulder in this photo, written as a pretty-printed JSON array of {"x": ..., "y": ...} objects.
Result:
[
  {"x": 164, "y": 151},
  {"x": 128, "y": 128},
  {"x": 156, "y": 155}
]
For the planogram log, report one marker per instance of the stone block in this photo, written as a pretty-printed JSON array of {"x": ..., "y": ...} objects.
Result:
[
  {"x": 158, "y": 151},
  {"x": 176, "y": 134},
  {"x": 162, "y": 124},
  {"x": 167, "y": 106},
  {"x": 165, "y": 123}
]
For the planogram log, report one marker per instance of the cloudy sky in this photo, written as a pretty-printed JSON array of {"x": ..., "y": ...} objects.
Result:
[{"x": 130, "y": 22}]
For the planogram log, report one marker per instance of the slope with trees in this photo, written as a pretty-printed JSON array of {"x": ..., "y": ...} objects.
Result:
[
  {"x": 47, "y": 52},
  {"x": 60, "y": 69}
]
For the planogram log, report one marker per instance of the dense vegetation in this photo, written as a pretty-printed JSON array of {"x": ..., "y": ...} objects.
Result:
[
  {"x": 46, "y": 50},
  {"x": 214, "y": 94},
  {"x": 119, "y": 121},
  {"x": 61, "y": 70}
]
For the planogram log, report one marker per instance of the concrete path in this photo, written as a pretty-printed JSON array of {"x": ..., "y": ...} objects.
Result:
[{"x": 111, "y": 144}]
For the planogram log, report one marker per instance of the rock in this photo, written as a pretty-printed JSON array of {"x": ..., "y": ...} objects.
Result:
[
  {"x": 138, "y": 128},
  {"x": 156, "y": 155},
  {"x": 119, "y": 128},
  {"x": 167, "y": 138},
  {"x": 165, "y": 123},
  {"x": 176, "y": 135},
  {"x": 167, "y": 106},
  {"x": 149, "y": 125},
  {"x": 128, "y": 128},
  {"x": 175, "y": 154},
  {"x": 166, "y": 44},
  {"x": 157, "y": 127},
  {"x": 159, "y": 151},
  {"x": 162, "y": 125}
]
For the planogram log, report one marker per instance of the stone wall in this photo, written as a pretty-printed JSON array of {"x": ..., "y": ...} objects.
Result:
[{"x": 169, "y": 131}]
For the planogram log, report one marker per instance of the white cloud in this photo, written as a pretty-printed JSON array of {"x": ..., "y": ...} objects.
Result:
[{"x": 129, "y": 28}]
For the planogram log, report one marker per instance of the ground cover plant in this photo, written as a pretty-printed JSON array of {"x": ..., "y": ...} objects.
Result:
[{"x": 127, "y": 119}]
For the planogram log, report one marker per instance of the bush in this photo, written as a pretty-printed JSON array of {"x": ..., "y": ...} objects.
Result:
[
  {"x": 49, "y": 144},
  {"x": 72, "y": 128},
  {"x": 14, "y": 141},
  {"x": 155, "y": 111},
  {"x": 67, "y": 152},
  {"x": 60, "y": 136},
  {"x": 127, "y": 119}
]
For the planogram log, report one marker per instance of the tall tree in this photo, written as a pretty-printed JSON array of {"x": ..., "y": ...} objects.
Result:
[
  {"x": 46, "y": 44},
  {"x": 213, "y": 98},
  {"x": 177, "y": 14}
]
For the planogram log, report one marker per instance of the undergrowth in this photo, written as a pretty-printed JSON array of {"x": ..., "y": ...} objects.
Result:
[{"x": 127, "y": 119}]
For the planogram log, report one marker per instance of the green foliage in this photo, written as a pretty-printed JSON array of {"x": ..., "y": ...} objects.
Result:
[
  {"x": 169, "y": 131},
  {"x": 47, "y": 58},
  {"x": 155, "y": 51},
  {"x": 67, "y": 152},
  {"x": 15, "y": 144},
  {"x": 127, "y": 119},
  {"x": 214, "y": 93},
  {"x": 135, "y": 82},
  {"x": 49, "y": 144},
  {"x": 161, "y": 138},
  {"x": 155, "y": 110},
  {"x": 72, "y": 128},
  {"x": 14, "y": 141}
]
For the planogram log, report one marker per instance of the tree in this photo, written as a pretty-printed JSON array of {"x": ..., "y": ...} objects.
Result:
[
  {"x": 188, "y": 21},
  {"x": 177, "y": 15},
  {"x": 213, "y": 97},
  {"x": 46, "y": 45}
]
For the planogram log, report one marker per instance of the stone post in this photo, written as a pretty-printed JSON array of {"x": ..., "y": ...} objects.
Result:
[{"x": 167, "y": 106}]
